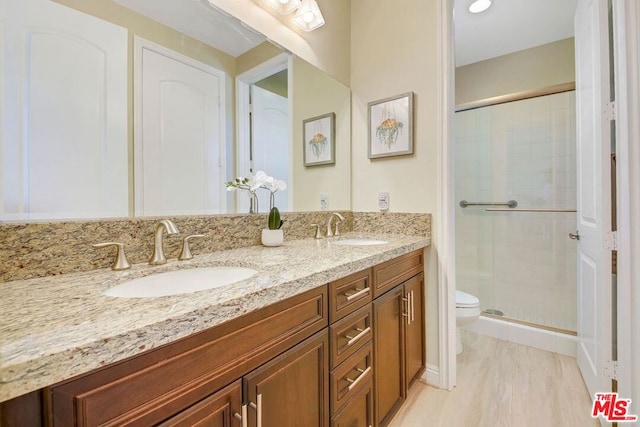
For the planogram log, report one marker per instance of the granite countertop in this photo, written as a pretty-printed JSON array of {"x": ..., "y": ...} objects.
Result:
[{"x": 55, "y": 328}]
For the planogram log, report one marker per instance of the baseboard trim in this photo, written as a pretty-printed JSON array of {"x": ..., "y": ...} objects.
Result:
[{"x": 431, "y": 376}]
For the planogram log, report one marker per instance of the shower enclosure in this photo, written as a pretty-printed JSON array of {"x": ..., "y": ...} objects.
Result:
[{"x": 516, "y": 179}]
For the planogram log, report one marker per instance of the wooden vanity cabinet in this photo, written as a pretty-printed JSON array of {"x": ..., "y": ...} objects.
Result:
[
  {"x": 293, "y": 389},
  {"x": 399, "y": 334},
  {"x": 155, "y": 386},
  {"x": 341, "y": 355},
  {"x": 358, "y": 412},
  {"x": 217, "y": 410}
]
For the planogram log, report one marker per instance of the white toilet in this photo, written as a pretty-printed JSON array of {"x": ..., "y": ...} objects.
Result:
[{"x": 467, "y": 311}]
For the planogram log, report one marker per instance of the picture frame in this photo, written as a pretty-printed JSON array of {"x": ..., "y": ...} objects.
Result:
[
  {"x": 390, "y": 122},
  {"x": 318, "y": 140}
]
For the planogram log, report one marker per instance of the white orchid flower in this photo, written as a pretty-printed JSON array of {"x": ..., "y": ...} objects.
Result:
[
  {"x": 260, "y": 180},
  {"x": 277, "y": 185}
]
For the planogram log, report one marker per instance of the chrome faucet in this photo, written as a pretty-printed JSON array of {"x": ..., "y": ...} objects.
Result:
[
  {"x": 330, "y": 232},
  {"x": 157, "y": 257}
]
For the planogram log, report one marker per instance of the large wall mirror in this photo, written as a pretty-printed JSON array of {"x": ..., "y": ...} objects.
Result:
[{"x": 117, "y": 108}]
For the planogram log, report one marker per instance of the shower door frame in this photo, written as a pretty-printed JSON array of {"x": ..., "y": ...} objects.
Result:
[{"x": 627, "y": 47}]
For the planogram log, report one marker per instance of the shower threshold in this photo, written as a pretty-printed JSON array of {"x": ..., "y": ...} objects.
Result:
[{"x": 490, "y": 313}]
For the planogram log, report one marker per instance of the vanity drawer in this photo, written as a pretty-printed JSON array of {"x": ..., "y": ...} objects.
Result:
[
  {"x": 165, "y": 381},
  {"x": 349, "y": 294},
  {"x": 349, "y": 334},
  {"x": 358, "y": 411},
  {"x": 389, "y": 274},
  {"x": 351, "y": 376}
]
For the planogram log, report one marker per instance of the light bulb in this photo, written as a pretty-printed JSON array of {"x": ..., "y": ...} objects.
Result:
[
  {"x": 308, "y": 16},
  {"x": 283, "y": 1},
  {"x": 479, "y": 6}
]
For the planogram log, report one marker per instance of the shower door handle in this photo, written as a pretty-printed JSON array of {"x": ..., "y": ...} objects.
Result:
[{"x": 575, "y": 236}]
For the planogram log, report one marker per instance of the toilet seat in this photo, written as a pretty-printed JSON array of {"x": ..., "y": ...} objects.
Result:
[{"x": 465, "y": 300}]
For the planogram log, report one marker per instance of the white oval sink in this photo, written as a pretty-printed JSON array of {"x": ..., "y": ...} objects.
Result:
[
  {"x": 359, "y": 242},
  {"x": 180, "y": 282}
]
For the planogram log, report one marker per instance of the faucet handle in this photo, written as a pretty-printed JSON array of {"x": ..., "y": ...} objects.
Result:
[
  {"x": 318, "y": 233},
  {"x": 185, "y": 253},
  {"x": 336, "y": 230},
  {"x": 120, "y": 262}
]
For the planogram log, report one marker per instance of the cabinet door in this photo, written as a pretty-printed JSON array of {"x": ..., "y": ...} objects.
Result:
[
  {"x": 217, "y": 410},
  {"x": 388, "y": 321},
  {"x": 293, "y": 389},
  {"x": 414, "y": 328},
  {"x": 358, "y": 412}
]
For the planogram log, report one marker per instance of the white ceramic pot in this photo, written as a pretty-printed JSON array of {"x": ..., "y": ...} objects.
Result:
[{"x": 272, "y": 237}]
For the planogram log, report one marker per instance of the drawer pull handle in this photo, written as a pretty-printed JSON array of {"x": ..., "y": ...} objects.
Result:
[
  {"x": 258, "y": 408},
  {"x": 363, "y": 373},
  {"x": 409, "y": 313},
  {"x": 362, "y": 332},
  {"x": 413, "y": 312},
  {"x": 357, "y": 294},
  {"x": 242, "y": 417}
]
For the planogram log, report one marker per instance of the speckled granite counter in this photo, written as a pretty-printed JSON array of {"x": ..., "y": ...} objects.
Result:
[{"x": 54, "y": 328}]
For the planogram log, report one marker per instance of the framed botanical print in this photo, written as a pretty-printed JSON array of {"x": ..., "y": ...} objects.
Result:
[
  {"x": 319, "y": 145},
  {"x": 391, "y": 126}
]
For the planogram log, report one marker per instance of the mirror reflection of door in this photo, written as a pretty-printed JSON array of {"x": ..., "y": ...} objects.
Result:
[
  {"x": 270, "y": 135},
  {"x": 63, "y": 95},
  {"x": 178, "y": 147},
  {"x": 264, "y": 130}
]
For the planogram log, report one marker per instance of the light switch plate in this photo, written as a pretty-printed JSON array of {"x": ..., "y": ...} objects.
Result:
[
  {"x": 383, "y": 201},
  {"x": 324, "y": 202}
]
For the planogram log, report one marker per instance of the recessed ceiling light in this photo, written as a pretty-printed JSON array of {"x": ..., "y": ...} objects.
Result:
[{"x": 479, "y": 6}]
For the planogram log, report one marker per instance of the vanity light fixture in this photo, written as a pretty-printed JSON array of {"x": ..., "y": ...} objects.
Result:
[
  {"x": 284, "y": 6},
  {"x": 308, "y": 17},
  {"x": 478, "y": 6}
]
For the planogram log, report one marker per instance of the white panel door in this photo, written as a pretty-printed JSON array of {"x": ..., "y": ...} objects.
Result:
[
  {"x": 594, "y": 184},
  {"x": 179, "y": 157},
  {"x": 64, "y": 132},
  {"x": 270, "y": 142}
]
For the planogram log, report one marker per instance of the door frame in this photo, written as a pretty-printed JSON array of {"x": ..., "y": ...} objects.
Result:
[
  {"x": 283, "y": 61},
  {"x": 626, "y": 33},
  {"x": 627, "y": 45},
  {"x": 445, "y": 220},
  {"x": 139, "y": 44}
]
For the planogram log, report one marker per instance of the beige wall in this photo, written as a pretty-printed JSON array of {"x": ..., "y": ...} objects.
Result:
[
  {"x": 534, "y": 68},
  {"x": 327, "y": 47},
  {"x": 393, "y": 46},
  {"x": 328, "y": 96},
  {"x": 256, "y": 56}
]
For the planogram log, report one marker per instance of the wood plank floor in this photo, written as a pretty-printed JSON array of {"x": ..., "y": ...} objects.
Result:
[{"x": 503, "y": 384}]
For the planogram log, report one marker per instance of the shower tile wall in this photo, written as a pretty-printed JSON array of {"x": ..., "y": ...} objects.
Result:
[{"x": 522, "y": 264}]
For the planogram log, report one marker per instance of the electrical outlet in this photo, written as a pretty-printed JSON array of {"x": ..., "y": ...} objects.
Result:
[
  {"x": 383, "y": 201},
  {"x": 324, "y": 202}
]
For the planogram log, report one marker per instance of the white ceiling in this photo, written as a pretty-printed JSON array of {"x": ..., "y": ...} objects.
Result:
[
  {"x": 200, "y": 20},
  {"x": 509, "y": 26}
]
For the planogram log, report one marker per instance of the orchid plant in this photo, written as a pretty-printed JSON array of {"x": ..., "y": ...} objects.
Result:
[{"x": 253, "y": 183}]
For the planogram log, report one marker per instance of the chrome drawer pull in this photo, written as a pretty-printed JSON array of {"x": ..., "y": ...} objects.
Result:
[
  {"x": 362, "y": 332},
  {"x": 358, "y": 293},
  {"x": 363, "y": 373},
  {"x": 242, "y": 417}
]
